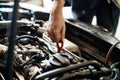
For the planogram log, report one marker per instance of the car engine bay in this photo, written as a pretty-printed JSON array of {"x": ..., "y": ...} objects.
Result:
[{"x": 35, "y": 56}]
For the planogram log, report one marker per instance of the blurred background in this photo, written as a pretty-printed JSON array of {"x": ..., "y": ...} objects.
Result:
[{"x": 48, "y": 4}]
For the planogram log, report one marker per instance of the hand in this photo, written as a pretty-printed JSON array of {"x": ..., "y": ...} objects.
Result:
[{"x": 56, "y": 27}]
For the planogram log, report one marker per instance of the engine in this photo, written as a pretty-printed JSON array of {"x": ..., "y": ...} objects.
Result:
[{"x": 36, "y": 57}]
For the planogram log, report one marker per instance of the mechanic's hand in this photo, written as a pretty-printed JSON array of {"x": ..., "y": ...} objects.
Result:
[{"x": 56, "y": 27}]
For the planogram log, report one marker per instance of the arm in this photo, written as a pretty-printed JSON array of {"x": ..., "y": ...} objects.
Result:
[{"x": 56, "y": 25}]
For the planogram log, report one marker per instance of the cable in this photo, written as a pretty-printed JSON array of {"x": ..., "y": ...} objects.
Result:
[
  {"x": 11, "y": 37},
  {"x": 107, "y": 59}
]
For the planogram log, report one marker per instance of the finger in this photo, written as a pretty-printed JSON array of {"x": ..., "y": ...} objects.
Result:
[
  {"x": 56, "y": 36},
  {"x": 63, "y": 33},
  {"x": 50, "y": 35},
  {"x": 53, "y": 34},
  {"x": 60, "y": 46}
]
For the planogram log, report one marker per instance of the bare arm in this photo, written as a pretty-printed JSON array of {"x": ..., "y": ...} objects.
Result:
[{"x": 56, "y": 29}]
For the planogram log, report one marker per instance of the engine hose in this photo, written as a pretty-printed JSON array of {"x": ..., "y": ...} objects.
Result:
[
  {"x": 93, "y": 74},
  {"x": 108, "y": 56},
  {"x": 58, "y": 71}
]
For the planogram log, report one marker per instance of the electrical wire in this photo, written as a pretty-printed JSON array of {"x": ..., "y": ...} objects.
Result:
[{"x": 107, "y": 59}]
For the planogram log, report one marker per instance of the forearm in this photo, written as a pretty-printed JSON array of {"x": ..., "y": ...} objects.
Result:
[{"x": 57, "y": 6}]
